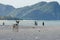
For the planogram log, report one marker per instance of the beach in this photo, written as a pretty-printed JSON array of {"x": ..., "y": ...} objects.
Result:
[{"x": 30, "y": 33}]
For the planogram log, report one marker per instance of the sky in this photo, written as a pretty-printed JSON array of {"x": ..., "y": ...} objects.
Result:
[{"x": 22, "y": 3}]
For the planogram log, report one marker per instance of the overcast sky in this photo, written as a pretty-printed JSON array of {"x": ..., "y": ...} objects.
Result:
[{"x": 22, "y": 3}]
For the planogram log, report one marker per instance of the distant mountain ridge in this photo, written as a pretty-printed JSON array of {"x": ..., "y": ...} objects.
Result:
[{"x": 38, "y": 11}]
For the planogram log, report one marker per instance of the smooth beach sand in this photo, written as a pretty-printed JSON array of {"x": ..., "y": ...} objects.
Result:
[{"x": 30, "y": 33}]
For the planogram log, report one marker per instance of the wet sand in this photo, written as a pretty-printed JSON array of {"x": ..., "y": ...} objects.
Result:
[{"x": 30, "y": 33}]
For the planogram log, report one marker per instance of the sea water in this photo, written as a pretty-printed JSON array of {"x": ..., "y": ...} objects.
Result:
[{"x": 32, "y": 22}]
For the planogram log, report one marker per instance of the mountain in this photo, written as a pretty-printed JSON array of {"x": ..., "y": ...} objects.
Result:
[
  {"x": 39, "y": 11},
  {"x": 20, "y": 12},
  {"x": 49, "y": 11},
  {"x": 5, "y": 10}
]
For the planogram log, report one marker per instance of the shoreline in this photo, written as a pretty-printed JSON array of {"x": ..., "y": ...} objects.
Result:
[{"x": 41, "y": 28}]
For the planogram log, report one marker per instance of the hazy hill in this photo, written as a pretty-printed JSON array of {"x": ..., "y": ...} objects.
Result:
[
  {"x": 38, "y": 11},
  {"x": 49, "y": 11}
]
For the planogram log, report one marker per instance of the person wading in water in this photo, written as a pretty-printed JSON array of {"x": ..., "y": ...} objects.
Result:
[
  {"x": 43, "y": 23},
  {"x": 3, "y": 23},
  {"x": 36, "y": 23}
]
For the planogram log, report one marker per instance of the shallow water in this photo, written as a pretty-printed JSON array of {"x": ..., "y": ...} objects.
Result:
[{"x": 31, "y": 22}]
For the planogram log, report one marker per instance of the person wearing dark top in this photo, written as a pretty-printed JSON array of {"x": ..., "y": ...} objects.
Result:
[
  {"x": 36, "y": 23},
  {"x": 43, "y": 23},
  {"x": 3, "y": 23}
]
